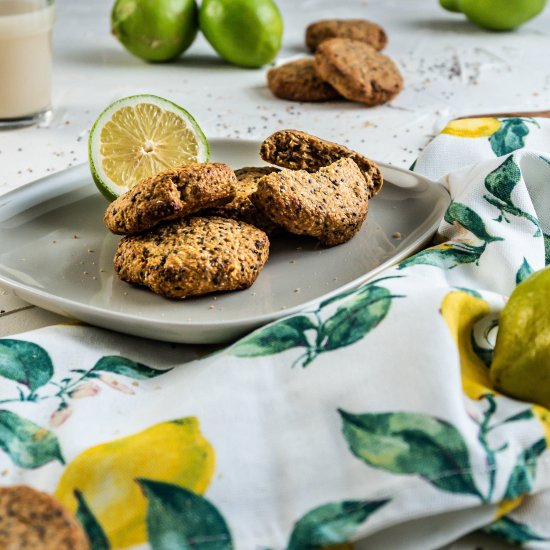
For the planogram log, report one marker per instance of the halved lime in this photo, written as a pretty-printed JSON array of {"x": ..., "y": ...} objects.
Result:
[{"x": 139, "y": 136}]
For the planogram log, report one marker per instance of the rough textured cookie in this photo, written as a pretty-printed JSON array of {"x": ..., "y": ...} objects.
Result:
[
  {"x": 193, "y": 256},
  {"x": 330, "y": 204},
  {"x": 170, "y": 195},
  {"x": 298, "y": 81},
  {"x": 241, "y": 207},
  {"x": 300, "y": 151},
  {"x": 353, "y": 29},
  {"x": 358, "y": 71},
  {"x": 32, "y": 520}
]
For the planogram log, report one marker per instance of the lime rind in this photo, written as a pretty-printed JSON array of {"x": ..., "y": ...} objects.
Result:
[{"x": 108, "y": 188}]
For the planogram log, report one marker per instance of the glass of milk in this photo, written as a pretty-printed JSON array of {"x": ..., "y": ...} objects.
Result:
[{"x": 25, "y": 61}]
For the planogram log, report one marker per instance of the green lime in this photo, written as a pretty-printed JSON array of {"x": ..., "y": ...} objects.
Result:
[
  {"x": 244, "y": 32},
  {"x": 521, "y": 363},
  {"x": 501, "y": 15},
  {"x": 139, "y": 136},
  {"x": 155, "y": 30},
  {"x": 450, "y": 5}
]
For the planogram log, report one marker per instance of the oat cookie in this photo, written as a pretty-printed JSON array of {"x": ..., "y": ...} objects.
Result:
[
  {"x": 358, "y": 71},
  {"x": 300, "y": 151},
  {"x": 353, "y": 29},
  {"x": 193, "y": 256},
  {"x": 170, "y": 195},
  {"x": 298, "y": 81},
  {"x": 241, "y": 207},
  {"x": 32, "y": 520},
  {"x": 330, "y": 204}
]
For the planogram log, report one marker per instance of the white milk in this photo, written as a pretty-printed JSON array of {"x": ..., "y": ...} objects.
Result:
[{"x": 25, "y": 57}]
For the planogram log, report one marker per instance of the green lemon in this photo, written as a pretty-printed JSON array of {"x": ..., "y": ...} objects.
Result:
[
  {"x": 501, "y": 15},
  {"x": 450, "y": 5},
  {"x": 155, "y": 30},
  {"x": 244, "y": 32},
  {"x": 521, "y": 363}
]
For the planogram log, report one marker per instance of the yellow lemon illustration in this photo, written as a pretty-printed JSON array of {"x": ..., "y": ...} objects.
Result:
[
  {"x": 543, "y": 416},
  {"x": 461, "y": 312},
  {"x": 174, "y": 452},
  {"x": 506, "y": 506},
  {"x": 472, "y": 127}
]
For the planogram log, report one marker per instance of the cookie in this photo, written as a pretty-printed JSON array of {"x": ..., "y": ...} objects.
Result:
[
  {"x": 241, "y": 207},
  {"x": 300, "y": 151},
  {"x": 298, "y": 81},
  {"x": 193, "y": 256},
  {"x": 358, "y": 71},
  {"x": 353, "y": 29},
  {"x": 330, "y": 204},
  {"x": 32, "y": 520},
  {"x": 170, "y": 195}
]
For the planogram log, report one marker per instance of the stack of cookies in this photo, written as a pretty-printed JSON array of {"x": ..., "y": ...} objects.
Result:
[
  {"x": 204, "y": 228},
  {"x": 347, "y": 64}
]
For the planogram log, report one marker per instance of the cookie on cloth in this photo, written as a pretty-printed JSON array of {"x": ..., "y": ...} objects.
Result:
[
  {"x": 301, "y": 151},
  {"x": 330, "y": 204},
  {"x": 193, "y": 256},
  {"x": 358, "y": 71},
  {"x": 298, "y": 81},
  {"x": 172, "y": 194},
  {"x": 241, "y": 207},
  {"x": 353, "y": 29},
  {"x": 33, "y": 520}
]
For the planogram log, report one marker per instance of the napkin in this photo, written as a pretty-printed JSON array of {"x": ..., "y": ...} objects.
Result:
[{"x": 369, "y": 418}]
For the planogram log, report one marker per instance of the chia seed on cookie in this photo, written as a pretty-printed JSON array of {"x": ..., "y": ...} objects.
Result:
[
  {"x": 298, "y": 81},
  {"x": 301, "y": 151},
  {"x": 358, "y": 71},
  {"x": 353, "y": 29},
  {"x": 171, "y": 195},
  {"x": 330, "y": 204},
  {"x": 193, "y": 256}
]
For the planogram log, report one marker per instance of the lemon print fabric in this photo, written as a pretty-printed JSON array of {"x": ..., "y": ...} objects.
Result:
[
  {"x": 105, "y": 477},
  {"x": 472, "y": 127}
]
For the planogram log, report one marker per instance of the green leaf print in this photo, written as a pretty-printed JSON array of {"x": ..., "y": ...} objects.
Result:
[
  {"x": 523, "y": 475},
  {"x": 25, "y": 363},
  {"x": 523, "y": 272},
  {"x": 500, "y": 184},
  {"x": 276, "y": 338},
  {"x": 355, "y": 318},
  {"x": 512, "y": 531},
  {"x": 546, "y": 249},
  {"x": 446, "y": 256},
  {"x": 126, "y": 367},
  {"x": 510, "y": 136},
  {"x": 178, "y": 519},
  {"x": 470, "y": 220},
  {"x": 96, "y": 536},
  {"x": 28, "y": 444},
  {"x": 411, "y": 443},
  {"x": 333, "y": 523}
]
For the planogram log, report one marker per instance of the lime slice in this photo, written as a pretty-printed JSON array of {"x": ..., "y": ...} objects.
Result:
[{"x": 139, "y": 136}]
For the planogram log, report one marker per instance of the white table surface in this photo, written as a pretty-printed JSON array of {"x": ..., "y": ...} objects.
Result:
[{"x": 451, "y": 68}]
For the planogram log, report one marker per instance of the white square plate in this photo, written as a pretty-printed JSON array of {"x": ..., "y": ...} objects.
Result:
[{"x": 56, "y": 253}]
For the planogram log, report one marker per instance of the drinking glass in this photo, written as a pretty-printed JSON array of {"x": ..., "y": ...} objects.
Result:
[{"x": 25, "y": 61}]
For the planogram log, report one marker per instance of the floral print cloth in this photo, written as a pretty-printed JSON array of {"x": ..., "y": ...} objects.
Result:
[{"x": 368, "y": 419}]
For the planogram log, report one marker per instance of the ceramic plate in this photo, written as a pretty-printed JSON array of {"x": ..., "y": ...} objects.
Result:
[{"x": 56, "y": 253}]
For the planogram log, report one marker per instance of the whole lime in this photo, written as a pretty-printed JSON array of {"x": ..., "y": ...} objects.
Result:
[
  {"x": 244, "y": 32},
  {"x": 155, "y": 30},
  {"x": 521, "y": 361},
  {"x": 450, "y": 5},
  {"x": 501, "y": 15}
]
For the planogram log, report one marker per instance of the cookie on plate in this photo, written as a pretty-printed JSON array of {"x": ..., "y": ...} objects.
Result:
[
  {"x": 193, "y": 256},
  {"x": 358, "y": 71},
  {"x": 298, "y": 81},
  {"x": 330, "y": 204},
  {"x": 170, "y": 195},
  {"x": 354, "y": 29},
  {"x": 301, "y": 151},
  {"x": 241, "y": 207},
  {"x": 33, "y": 520}
]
